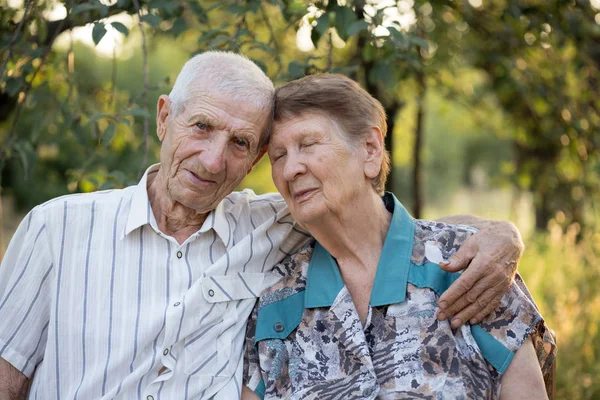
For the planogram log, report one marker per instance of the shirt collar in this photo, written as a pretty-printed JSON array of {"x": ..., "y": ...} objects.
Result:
[
  {"x": 140, "y": 213},
  {"x": 217, "y": 220},
  {"x": 324, "y": 282}
]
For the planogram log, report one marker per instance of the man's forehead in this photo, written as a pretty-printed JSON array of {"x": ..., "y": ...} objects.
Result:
[{"x": 230, "y": 103}]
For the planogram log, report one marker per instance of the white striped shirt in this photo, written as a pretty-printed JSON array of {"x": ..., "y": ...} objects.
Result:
[{"x": 95, "y": 300}]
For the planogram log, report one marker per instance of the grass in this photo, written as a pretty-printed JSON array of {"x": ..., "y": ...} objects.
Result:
[{"x": 564, "y": 277}]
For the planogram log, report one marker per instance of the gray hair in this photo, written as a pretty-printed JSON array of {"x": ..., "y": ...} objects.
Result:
[{"x": 227, "y": 73}]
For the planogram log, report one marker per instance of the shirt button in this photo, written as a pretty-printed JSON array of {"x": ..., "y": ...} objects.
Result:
[
  {"x": 176, "y": 304},
  {"x": 368, "y": 391},
  {"x": 149, "y": 397},
  {"x": 279, "y": 327},
  {"x": 166, "y": 352},
  {"x": 179, "y": 254},
  {"x": 211, "y": 293}
]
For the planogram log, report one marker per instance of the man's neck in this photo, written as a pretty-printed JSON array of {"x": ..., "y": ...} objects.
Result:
[{"x": 173, "y": 218}]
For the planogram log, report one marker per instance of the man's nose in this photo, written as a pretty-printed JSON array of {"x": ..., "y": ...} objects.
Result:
[
  {"x": 213, "y": 157},
  {"x": 293, "y": 167}
]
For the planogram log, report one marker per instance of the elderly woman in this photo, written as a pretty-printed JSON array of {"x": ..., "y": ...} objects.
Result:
[{"x": 336, "y": 326}]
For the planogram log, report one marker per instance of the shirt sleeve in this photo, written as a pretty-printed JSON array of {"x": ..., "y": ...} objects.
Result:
[
  {"x": 26, "y": 273},
  {"x": 518, "y": 318},
  {"x": 252, "y": 373}
]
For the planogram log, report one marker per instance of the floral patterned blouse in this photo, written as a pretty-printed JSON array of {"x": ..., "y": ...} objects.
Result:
[{"x": 305, "y": 339}]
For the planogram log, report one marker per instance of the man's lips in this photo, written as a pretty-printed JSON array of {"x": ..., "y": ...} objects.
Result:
[{"x": 198, "y": 180}]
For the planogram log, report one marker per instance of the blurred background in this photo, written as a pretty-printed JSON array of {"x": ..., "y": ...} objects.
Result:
[{"x": 493, "y": 108}]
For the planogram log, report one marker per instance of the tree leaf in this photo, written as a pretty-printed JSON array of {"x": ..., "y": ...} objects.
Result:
[
  {"x": 98, "y": 32},
  {"x": 322, "y": 24},
  {"x": 179, "y": 25},
  {"x": 419, "y": 42},
  {"x": 108, "y": 134},
  {"x": 382, "y": 74},
  {"x": 79, "y": 8},
  {"x": 344, "y": 17},
  {"x": 296, "y": 70},
  {"x": 151, "y": 19},
  {"x": 120, "y": 27},
  {"x": 357, "y": 27},
  {"x": 13, "y": 86}
]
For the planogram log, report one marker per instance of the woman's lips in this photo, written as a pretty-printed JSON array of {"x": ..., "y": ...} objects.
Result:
[
  {"x": 195, "y": 179},
  {"x": 303, "y": 195}
]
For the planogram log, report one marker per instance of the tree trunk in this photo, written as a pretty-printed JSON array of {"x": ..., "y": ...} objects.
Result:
[
  {"x": 417, "y": 181},
  {"x": 389, "y": 146}
]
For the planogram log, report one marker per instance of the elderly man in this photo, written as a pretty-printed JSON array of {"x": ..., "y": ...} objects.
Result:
[{"x": 144, "y": 292}]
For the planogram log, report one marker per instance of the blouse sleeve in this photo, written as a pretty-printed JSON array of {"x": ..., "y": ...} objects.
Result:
[
  {"x": 252, "y": 374},
  {"x": 518, "y": 318}
]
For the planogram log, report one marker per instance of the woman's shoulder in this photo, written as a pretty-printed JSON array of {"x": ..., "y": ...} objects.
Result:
[
  {"x": 432, "y": 235},
  {"x": 289, "y": 276}
]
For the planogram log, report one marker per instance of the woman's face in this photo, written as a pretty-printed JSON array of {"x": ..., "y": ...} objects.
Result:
[{"x": 314, "y": 168}]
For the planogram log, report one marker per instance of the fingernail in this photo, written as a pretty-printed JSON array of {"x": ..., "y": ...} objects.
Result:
[
  {"x": 445, "y": 262},
  {"x": 473, "y": 321},
  {"x": 443, "y": 304},
  {"x": 441, "y": 316},
  {"x": 456, "y": 323}
]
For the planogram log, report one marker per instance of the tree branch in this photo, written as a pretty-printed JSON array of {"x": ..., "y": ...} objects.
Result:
[
  {"x": 15, "y": 36},
  {"x": 4, "y": 150},
  {"x": 144, "y": 95}
]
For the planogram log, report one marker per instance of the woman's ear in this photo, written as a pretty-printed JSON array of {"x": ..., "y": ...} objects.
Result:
[
  {"x": 163, "y": 109},
  {"x": 374, "y": 148}
]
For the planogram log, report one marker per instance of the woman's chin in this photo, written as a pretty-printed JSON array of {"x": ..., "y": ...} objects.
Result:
[{"x": 306, "y": 216}]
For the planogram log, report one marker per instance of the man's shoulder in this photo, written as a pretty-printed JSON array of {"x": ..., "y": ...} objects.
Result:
[
  {"x": 109, "y": 199},
  {"x": 435, "y": 238},
  {"x": 248, "y": 202}
]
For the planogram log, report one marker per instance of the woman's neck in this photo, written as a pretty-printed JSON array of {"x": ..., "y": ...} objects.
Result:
[
  {"x": 355, "y": 238},
  {"x": 355, "y": 234}
]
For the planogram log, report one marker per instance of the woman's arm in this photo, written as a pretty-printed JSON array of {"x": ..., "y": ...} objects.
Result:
[
  {"x": 248, "y": 394},
  {"x": 523, "y": 379}
]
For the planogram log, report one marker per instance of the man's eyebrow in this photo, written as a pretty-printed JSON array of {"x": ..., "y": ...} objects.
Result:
[{"x": 201, "y": 117}]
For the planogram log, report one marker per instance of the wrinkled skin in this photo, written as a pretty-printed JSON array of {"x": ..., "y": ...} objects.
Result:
[
  {"x": 492, "y": 257},
  {"x": 208, "y": 147}
]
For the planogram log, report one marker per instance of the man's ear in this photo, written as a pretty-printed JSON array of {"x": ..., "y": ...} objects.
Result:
[
  {"x": 373, "y": 148},
  {"x": 163, "y": 109},
  {"x": 260, "y": 155}
]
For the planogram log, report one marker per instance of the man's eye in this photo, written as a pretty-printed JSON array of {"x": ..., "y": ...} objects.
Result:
[
  {"x": 202, "y": 126},
  {"x": 240, "y": 142}
]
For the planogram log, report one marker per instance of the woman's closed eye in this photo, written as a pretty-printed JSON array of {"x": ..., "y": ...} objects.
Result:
[{"x": 277, "y": 156}]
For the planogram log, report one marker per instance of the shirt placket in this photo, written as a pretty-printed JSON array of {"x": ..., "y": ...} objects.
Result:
[
  {"x": 354, "y": 341},
  {"x": 172, "y": 346}
]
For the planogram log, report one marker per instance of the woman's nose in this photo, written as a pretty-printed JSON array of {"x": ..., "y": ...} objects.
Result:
[{"x": 293, "y": 167}]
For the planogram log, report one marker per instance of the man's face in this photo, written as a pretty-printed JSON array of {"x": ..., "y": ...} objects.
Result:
[{"x": 208, "y": 147}]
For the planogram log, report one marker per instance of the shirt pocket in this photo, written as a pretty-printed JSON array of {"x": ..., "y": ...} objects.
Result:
[{"x": 215, "y": 347}]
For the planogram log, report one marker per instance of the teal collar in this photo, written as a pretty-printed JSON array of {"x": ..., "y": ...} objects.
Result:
[{"x": 324, "y": 282}]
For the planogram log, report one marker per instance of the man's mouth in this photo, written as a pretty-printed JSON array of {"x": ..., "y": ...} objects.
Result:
[{"x": 198, "y": 180}]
